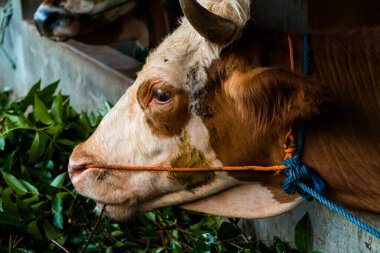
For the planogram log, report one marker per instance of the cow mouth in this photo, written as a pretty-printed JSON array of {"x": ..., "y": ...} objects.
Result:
[
  {"x": 59, "y": 38},
  {"x": 119, "y": 212}
]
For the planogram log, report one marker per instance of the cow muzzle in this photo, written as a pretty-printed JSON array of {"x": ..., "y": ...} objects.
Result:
[{"x": 47, "y": 20}]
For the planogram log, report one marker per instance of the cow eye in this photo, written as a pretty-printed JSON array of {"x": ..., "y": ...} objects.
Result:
[{"x": 162, "y": 96}]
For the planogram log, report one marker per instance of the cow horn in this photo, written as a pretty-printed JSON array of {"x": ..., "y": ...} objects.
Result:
[{"x": 211, "y": 26}]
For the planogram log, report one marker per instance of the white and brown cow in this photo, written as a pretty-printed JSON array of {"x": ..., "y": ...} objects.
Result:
[{"x": 217, "y": 91}]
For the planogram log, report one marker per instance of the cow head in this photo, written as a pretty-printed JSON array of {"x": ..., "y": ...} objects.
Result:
[
  {"x": 191, "y": 107},
  {"x": 89, "y": 21}
]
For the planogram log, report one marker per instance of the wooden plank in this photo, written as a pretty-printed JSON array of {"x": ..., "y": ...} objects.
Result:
[
  {"x": 342, "y": 14},
  {"x": 315, "y": 15},
  {"x": 282, "y": 15}
]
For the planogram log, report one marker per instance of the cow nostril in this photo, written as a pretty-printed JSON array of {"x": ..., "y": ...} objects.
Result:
[
  {"x": 46, "y": 20},
  {"x": 75, "y": 169}
]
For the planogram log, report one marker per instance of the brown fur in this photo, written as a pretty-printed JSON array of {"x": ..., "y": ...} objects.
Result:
[
  {"x": 246, "y": 106},
  {"x": 191, "y": 157},
  {"x": 341, "y": 144},
  {"x": 164, "y": 120}
]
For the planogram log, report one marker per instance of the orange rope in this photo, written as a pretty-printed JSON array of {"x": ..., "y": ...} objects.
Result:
[
  {"x": 291, "y": 53},
  {"x": 289, "y": 148},
  {"x": 159, "y": 168}
]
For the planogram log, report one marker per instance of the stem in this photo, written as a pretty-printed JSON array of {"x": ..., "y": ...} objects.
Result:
[
  {"x": 93, "y": 231},
  {"x": 245, "y": 238},
  {"x": 182, "y": 243},
  {"x": 163, "y": 241},
  {"x": 60, "y": 246}
]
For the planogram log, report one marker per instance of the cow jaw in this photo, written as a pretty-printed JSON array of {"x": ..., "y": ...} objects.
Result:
[{"x": 248, "y": 201}]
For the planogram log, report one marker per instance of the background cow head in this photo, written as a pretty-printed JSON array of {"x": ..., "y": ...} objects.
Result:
[
  {"x": 91, "y": 21},
  {"x": 195, "y": 104}
]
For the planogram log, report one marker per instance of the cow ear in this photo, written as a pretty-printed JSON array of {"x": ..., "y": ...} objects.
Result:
[{"x": 276, "y": 96}]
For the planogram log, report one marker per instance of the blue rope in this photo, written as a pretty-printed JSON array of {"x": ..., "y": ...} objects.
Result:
[
  {"x": 338, "y": 209},
  {"x": 300, "y": 172},
  {"x": 302, "y": 179},
  {"x": 306, "y": 55}
]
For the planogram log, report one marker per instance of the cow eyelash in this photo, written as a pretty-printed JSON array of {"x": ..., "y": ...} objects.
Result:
[{"x": 162, "y": 96}]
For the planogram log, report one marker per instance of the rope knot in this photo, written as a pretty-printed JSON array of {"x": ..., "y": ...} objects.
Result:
[{"x": 297, "y": 172}]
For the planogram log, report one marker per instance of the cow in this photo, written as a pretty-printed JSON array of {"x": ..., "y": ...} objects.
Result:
[
  {"x": 218, "y": 91},
  {"x": 105, "y": 21}
]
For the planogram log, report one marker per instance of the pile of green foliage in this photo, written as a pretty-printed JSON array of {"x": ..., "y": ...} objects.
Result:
[{"x": 40, "y": 211}]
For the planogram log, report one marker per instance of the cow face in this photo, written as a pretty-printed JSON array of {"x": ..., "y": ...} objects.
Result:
[
  {"x": 64, "y": 19},
  {"x": 189, "y": 108}
]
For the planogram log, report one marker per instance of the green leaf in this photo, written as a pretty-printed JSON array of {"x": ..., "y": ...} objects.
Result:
[
  {"x": 55, "y": 130},
  {"x": 40, "y": 111},
  {"x": 9, "y": 206},
  {"x": 159, "y": 250},
  {"x": 6, "y": 219},
  {"x": 105, "y": 109},
  {"x": 204, "y": 243},
  {"x": 59, "y": 180},
  {"x": 117, "y": 233},
  {"x": 28, "y": 99},
  {"x": 46, "y": 94},
  {"x": 32, "y": 199},
  {"x": 14, "y": 183},
  {"x": 2, "y": 142},
  {"x": 57, "y": 208},
  {"x": 281, "y": 247},
  {"x": 85, "y": 124},
  {"x": 151, "y": 216},
  {"x": 302, "y": 234},
  {"x": 38, "y": 147},
  {"x": 50, "y": 231},
  {"x": 31, "y": 188},
  {"x": 23, "y": 207},
  {"x": 57, "y": 108},
  {"x": 67, "y": 142},
  {"x": 8, "y": 163},
  {"x": 94, "y": 119},
  {"x": 38, "y": 206},
  {"x": 19, "y": 121},
  {"x": 33, "y": 230}
]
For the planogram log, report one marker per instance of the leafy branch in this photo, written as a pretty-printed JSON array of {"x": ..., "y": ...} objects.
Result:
[{"x": 41, "y": 212}]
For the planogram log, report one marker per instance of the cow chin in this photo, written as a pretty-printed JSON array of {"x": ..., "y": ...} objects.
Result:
[
  {"x": 122, "y": 193},
  {"x": 125, "y": 194},
  {"x": 118, "y": 212}
]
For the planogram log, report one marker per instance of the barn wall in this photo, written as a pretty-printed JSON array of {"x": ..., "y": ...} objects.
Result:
[
  {"x": 38, "y": 58},
  {"x": 331, "y": 232}
]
